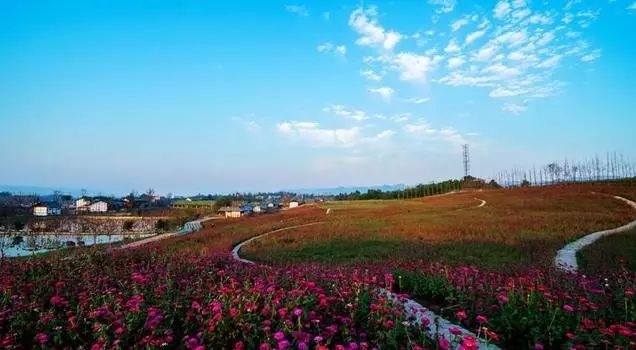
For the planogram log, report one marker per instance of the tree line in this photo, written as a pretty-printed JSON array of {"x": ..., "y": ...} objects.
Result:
[
  {"x": 421, "y": 190},
  {"x": 609, "y": 168}
]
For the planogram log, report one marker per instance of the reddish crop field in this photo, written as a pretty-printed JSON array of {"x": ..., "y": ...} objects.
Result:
[{"x": 514, "y": 229}]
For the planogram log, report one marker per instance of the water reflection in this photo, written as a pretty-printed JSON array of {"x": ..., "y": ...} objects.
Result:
[{"x": 13, "y": 245}]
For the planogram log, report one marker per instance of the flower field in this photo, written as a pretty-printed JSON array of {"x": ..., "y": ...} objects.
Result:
[
  {"x": 187, "y": 293},
  {"x": 514, "y": 229}
]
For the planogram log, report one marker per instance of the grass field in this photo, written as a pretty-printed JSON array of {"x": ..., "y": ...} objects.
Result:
[
  {"x": 515, "y": 227},
  {"x": 610, "y": 253}
]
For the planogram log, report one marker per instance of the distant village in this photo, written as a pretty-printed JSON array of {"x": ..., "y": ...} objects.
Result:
[{"x": 233, "y": 206}]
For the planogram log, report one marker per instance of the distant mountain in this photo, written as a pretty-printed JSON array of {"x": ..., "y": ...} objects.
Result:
[
  {"x": 39, "y": 190},
  {"x": 345, "y": 189}
]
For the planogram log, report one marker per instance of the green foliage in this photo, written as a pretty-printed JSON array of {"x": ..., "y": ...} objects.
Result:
[
  {"x": 421, "y": 190},
  {"x": 424, "y": 286}
]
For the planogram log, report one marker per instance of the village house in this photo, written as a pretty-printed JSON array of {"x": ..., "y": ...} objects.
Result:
[
  {"x": 54, "y": 209},
  {"x": 293, "y": 204},
  {"x": 98, "y": 207},
  {"x": 82, "y": 204},
  {"x": 231, "y": 212},
  {"x": 40, "y": 210}
]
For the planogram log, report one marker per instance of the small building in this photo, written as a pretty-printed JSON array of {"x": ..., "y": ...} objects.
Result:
[
  {"x": 40, "y": 210},
  {"x": 231, "y": 212},
  {"x": 54, "y": 211},
  {"x": 82, "y": 204},
  {"x": 293, "y": 204},
  {"x": 98, "y": 207}
]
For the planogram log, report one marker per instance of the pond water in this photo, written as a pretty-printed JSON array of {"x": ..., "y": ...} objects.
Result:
[{"x": 14, "y": 245}]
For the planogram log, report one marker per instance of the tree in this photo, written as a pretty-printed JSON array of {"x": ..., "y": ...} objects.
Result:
[{"x": 222, "y": 202}]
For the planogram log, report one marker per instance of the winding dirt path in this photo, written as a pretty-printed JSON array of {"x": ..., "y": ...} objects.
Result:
[
  {"x": 566, "y": 257},
  {"x": 439, "y": 326}
]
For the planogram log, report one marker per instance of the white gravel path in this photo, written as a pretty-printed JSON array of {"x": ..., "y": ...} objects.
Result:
[
  {"x": 189, "y": 227},
  {"x": 566, "y": 256},
  {"x": 438, "y": 326}
]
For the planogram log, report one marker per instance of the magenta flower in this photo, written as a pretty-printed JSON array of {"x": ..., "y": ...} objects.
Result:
[
  {"x": 42, "y": 338},
  {"x": 568, "y": 308},
  {"x": 298, "y": 311},
  {"x": 279, "y": 336}
]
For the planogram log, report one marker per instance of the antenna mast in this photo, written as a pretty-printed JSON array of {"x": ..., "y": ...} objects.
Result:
[{"x": 466, "y": 160}]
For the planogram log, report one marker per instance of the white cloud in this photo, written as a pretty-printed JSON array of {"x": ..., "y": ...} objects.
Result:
[
  {"x": 385, "y": 92},
  {"x": 412, "y": 66},
  {"x": 313, "y": 135},
  {"x": 401, "y": 118},
  {"x": 485, "y": 53},
  {"x": 343, "y": 111},
  {"x": 632, "y": 6},
  {"x": 419, "y": 128},
  {"x": 501, "y": 9},
  {"x": 455, "y": 62},
  {"x": 550, "y": 62},
  {"x": 594, "y": 55},
  {"x": 299, "y": 10},
  {"x": 443, "y": 6},
  {"x": 422, "y": 128},
  {"x": 311, "y": 132},
  {"x": 371, "y": 75},
  {"x": 417, "y": 100},
  {"x": 458, "y": 24},
  {"x": 470, "y": 38},
  {"x": 327, "y": 47},
  {"x": 452, "y": 47},
  {"x": 513, "y": 108},
  {"x": 365, "y": 23},
  {"x": 326, "y": 15}
]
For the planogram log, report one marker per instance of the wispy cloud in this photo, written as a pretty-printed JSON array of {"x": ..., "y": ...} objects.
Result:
[
  {"x": 443, "y": 6},
  {"x": 371, "y": 75},
  {"x": 314, "y": 136},
  {"x": 299, "y": 10},
  {"x": 417, "y": 100},
  {"x": 248, "y": 124},
  {"x": 345, "y": 112},
  {"x": 327, "y": 47},
  {"x": 385, "y": 92},
  {"x": 513, "y": 108}
]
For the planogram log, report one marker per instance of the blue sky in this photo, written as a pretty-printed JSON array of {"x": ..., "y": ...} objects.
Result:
[{"x": 208, "y": 96}]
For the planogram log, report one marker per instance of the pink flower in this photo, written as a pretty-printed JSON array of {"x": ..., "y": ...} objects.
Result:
[
  {"x": 57, "y": 300},
  {"x": 568, "y": 308},
  {"x": 469, "y": 343},
  {"x": 298, "y": 312},
  {"x": 481, "y": 319},
  {"x": 42, "y": 338},
  {"x": 443, "y": 343},
  {"x": 388, "y": 324},
  {"x": 279, "y": 336},
  {"x": 503, "y": 298},
  {"x": 455, "y": 331},
  {"x": 461, "y": 315},
  {"x": 264, "y": 346},
  {"x": 538, "y": 346}
]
